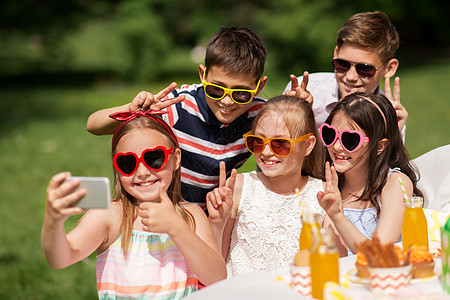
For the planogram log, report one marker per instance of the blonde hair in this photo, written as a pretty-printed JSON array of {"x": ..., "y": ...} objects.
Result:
[
  {"x": 298, "y": 116},
  {"x": 129, "y": 203}
]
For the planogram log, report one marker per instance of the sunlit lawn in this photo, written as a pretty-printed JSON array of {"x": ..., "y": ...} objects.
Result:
[{"x": 42, "y": 131}]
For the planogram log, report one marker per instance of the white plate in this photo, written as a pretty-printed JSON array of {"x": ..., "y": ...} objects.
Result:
[{"x": 356, "y": 279}]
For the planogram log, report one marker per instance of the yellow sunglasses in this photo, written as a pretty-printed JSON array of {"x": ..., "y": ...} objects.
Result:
[{"x": 217, "y": 92}]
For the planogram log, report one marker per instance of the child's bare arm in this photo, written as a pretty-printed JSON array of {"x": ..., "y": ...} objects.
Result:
[
  {"x": 331, "y": 201},
  {"x": 211, "y": 269},
  {"x": 62, "y": 250},
  {"x": 100, "y": 123},
  {"x": 391, "y": 216}
]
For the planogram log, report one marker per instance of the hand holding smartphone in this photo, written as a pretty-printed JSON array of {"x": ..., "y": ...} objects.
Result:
[{"x": 98, "y": 192}]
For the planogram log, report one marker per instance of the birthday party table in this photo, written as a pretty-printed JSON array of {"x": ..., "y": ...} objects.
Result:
[{"x": 276, "y": 285}]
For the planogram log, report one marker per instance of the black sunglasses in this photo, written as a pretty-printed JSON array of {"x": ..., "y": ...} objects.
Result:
[{"x": 364, "y": 70}]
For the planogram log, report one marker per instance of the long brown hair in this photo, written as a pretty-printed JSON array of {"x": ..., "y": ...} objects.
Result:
[
  {"x": 299, "y": 119},
  {"x": 129, "y": 203}
]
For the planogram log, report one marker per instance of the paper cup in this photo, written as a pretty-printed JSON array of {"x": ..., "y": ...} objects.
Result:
[
  {"x": 389, "y": 280},
  {"x": 301, "y": 280}
]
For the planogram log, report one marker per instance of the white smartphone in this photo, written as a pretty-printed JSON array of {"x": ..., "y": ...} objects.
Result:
[{"x": 98, "y": 194}]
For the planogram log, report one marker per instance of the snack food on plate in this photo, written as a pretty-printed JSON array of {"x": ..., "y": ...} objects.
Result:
[
  {"x": 422, "y": 261},
  {"x": 381, "y": 256},
  {"x": 362, "y": 265}
]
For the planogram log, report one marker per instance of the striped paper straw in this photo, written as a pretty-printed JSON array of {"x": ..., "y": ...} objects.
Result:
[
  {"x": 403, "y": 189},
  {"x": 297, "y": 191}
]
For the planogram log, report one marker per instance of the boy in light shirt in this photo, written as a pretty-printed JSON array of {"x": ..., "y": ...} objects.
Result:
[{"x": 363, "y": 57}]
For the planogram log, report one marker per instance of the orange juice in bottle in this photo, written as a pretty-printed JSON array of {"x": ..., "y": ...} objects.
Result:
[
  {"x": 324, "y": 262},
  {"x": 414, "y": 227},
  {"x": 310, "y": 221}
]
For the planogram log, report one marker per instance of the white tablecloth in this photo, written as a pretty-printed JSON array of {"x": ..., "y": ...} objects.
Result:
[
  {"x": 256, "y": 285},
  {"x": 275, "y": 285}
]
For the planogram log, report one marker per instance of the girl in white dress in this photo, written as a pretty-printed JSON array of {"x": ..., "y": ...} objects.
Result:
[{"x": 256, "y": 217}]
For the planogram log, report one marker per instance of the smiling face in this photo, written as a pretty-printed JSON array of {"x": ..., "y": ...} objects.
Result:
[
  {"x": 343, "y": 160},
  {"x": 273, "y": 126},
  {"x": 144, "y": 183},
  {"x": 225, "y": 110},
  {"x": 350, "y": 81}
]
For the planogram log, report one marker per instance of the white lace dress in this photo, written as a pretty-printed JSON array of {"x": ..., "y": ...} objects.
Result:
[{"x": 267, "y": 227}]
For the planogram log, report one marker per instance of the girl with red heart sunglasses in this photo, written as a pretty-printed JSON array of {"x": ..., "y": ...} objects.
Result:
[
  {"x": 149, "y": 243},
  {"x": 365, "y": 159}
]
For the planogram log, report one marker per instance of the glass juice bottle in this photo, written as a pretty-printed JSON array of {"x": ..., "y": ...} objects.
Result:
[
  {"x": 324, "y": 262},
  {"x": 311, "y": 222},
  {"x": 414, "y": 227}
]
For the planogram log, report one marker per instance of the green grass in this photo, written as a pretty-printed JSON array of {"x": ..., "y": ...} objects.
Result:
[{"x": 42, "y": 132}]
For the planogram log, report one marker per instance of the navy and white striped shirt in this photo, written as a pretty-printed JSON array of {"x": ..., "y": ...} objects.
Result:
[{"x": 205, "y": 141}]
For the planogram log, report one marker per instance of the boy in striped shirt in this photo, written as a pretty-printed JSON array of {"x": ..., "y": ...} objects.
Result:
[{"x": 209, "y": 118}]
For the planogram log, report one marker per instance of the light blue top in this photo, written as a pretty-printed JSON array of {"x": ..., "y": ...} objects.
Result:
[{"x": 365, "y": 220}]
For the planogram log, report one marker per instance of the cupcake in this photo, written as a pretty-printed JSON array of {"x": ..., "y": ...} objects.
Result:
[{"x": 422, "y": 261}]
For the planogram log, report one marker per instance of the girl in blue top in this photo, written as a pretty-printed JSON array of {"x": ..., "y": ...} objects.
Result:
[{"x": 363, "y": 195}]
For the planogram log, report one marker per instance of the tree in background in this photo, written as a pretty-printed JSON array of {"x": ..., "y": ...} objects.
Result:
[{"x": 152, "y": 38}]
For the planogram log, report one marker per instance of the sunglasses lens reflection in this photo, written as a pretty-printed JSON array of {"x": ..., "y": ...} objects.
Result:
[
  {"x": 365, "y": 70},
  {"x": 126, "y": 163},
  {"x": 341, "y": 65},
  {"x": 350, "y": 140},
  {"x": 214, "y": 92},
  {"x": 154, "y": 159},
  {"x": 242, "y": 96},
  {"x": 328, "y": 135},
  {"x": 254, "y": 144},
  {"x": 280, "y": 147}
]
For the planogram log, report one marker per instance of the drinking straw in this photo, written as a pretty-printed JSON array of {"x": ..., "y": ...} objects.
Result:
[
  {"x": 297, "y": 191},
  {"x": 403, "y": 189}
]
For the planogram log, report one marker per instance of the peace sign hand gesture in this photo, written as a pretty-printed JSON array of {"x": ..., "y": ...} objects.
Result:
[
  {"x": 219, "y": 202},
  {"x": 402, "y": 114},
  {"x": 330, "y": 199},
  {"x": 300, "y": 91},
  {"x": 145, "y": 100}
]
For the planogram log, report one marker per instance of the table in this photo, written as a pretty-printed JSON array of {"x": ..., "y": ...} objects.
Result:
[
  {"x": 275, "y": 285},
  {"x": 426, "y": 286},
  {"x": 255, "y": 285}
]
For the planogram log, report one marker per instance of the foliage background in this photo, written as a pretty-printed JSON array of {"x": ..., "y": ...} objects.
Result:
[
  {"x": 147, "y": 39},
  {"x": 62, "y": 60}
]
